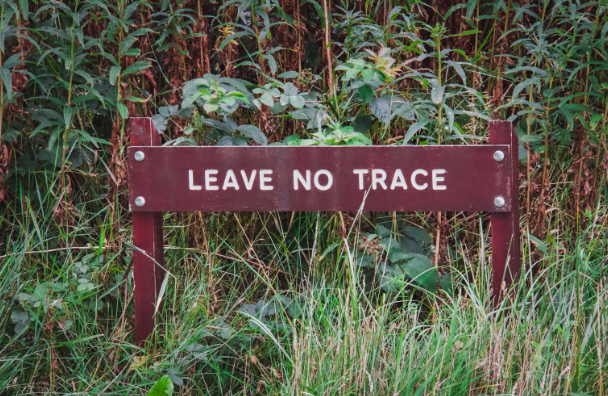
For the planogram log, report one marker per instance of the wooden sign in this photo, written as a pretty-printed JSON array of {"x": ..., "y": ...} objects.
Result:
[
  {"x": 279, "y": 178},
  {"x": 380, "y": 178}
]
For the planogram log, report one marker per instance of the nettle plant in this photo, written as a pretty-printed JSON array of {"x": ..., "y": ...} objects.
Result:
[
  {"x": 215, "y": 95},
  {"x": 380, "y": 59},
  {"x": 50, "y": 300},
  {"x": 396, "y": 258},
  {"x": 273, "y": 314}
]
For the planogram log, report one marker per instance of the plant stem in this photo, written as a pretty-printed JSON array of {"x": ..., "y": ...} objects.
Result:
[
  {"x": 542, "y": 188},
  {"x": 1, "y": 87},
  {"x": 528, "y": 183},
  {"x": 439, "y": 126},
  {"x": 67, "y": 127},
  {"x": 330, "y": 72},
  {"x": 299, "y": 39},
  {"x": 1, "y": 97}
]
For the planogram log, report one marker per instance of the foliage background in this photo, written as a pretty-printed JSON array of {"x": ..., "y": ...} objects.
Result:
[{"x": 73, "y": 72}]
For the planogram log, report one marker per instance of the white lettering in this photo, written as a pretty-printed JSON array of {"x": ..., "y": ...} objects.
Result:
[
  {"x": 297, "y": 176},
  {"x": 378, "y": 177},
  {"x": 248, "y": 183},
  {"x": 210, "y": 179},
  {"x": 416, "y": 173},
  {"x": 230, "y": 181},
  {"x": 398, "y": 180},
  {"x": 361, "y": 172},
  {"x": 438, "y": 179},
  {"x": 264, "y": 179},
  {"x": 191, "y": 181},
  {"x": 330, "y": 180}
]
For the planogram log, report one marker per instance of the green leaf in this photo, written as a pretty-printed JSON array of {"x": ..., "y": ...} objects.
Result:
[
  {"x": 230, "y": 38},
  {"x": 253, "y": 132},
  {"x": 539, "y": 244},
  {"x": 359, "y": 139},
  {"x": 289, "y": 74},
  {"x": 13, "y": 61},
  {"x": 445, "y": 281},
  {"x": 218, "y": 125},
  {"x": 390, "y": 277},
  {"x": 576, "y": 107},
  {"x": 290, "y": 89},
  {"x": 136, "y": 67},
  {"x": 422, "y": 271},
  {"x": 366, "y": 93},
  {"x": 330, "y": 248},
  {"x": 461, "y": 52},
  {"x": 521, "y": 86},
  {"x": 122, "y": 109},
  {"x": 210, "y": 107},
  {"x": 272, "y": 64},
  {"x": 459, "y": 70},
  {"x": 132, "y": 52},
  {"x": 267, "y": 99},
  {"x": 368, "y": 74},
  {"x": 351, "y": 73},
  {"x": 382, "y": 231},
  {"x": 87, "y": 137},
  {"x": 225, "y": 141},
  {"x": 68, "y": 112},
  {"x": 437, "y": 94},
  {"x": 413, "y": 129},
  {"x": 86, "y": 76},
  {"x": 388, "y": 243},
  {"x": 160, "y": 123},
  {"x": 297, "y": 101},
  {"x": 292, "y": 140},
  {"x": 20, "y": 316},
  {"x": 465, "y": 33},
  {"x": 365, "y": 261},
  {"x": 417, "y": 234},
  {"x": 175, "y": 377},
  {"x": 163, "y": 387},
  {"x": 363, "y": 123},
  {"x": 24, "y": 8},
  {"x": 454, "y": 8},
  {"x": 5, "y": 74},
  {"x": 114, "y": 71},
  {"x": 135, "y": 99},
  {"x": 382, "y": 108}
]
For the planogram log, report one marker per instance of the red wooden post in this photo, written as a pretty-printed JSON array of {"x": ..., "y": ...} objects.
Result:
[
  {"x": 506, "y": 250},
  {"x": 148, "y": 269}
]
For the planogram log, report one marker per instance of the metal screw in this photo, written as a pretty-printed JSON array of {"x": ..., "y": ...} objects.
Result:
[
  {"x": 499, "y": 155},
  {"x": 139, "y": 156},
  {"x": 499, "y": 202},
  {"x": 140, "y": 201}
]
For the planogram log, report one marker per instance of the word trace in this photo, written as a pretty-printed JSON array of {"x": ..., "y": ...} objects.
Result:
[{"x": 322, "y": 180}]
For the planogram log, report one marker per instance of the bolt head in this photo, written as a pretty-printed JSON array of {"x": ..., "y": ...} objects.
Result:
[
  {"x": 140, "y": 201},
  {"x": 139, "y": 156},
  {"x": 499, "y": 202},
  {"x": 499, "y": 155}
]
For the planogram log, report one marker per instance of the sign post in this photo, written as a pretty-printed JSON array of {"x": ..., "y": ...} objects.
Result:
[
  {"x": 506, "y": 249},
  {"x": 329, "y": 178},
  {"x": 148, "y": 257}
]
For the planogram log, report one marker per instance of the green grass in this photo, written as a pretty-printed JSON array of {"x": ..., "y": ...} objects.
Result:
[{"x": 342, "y": 336}]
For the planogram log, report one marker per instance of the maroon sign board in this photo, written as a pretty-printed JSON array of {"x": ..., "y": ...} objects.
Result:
[{"x": 293, "y": 178}]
